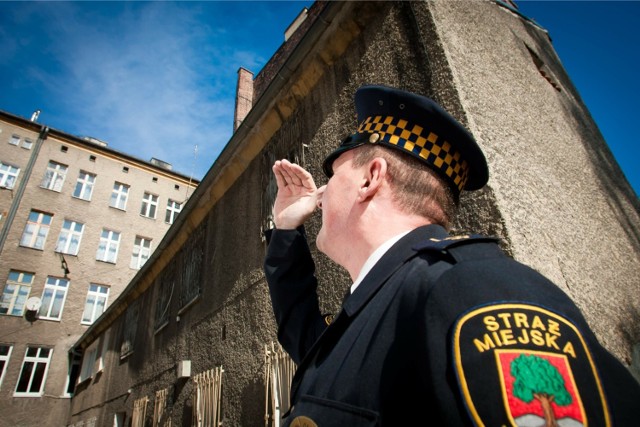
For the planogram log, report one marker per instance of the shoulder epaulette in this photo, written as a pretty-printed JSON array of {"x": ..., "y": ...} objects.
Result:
[{"x": 440, "y": 245}]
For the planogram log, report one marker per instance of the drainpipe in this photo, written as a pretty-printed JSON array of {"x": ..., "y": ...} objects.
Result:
[{"x": 15, "y": 204}]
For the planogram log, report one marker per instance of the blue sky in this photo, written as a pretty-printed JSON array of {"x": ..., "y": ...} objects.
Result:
[{"x": 157, "y": 79}]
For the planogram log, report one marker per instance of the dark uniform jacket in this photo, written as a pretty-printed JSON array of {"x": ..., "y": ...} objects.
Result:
[{"x": 443, "y": 331}]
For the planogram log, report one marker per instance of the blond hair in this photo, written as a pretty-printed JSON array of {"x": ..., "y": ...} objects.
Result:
[{"x": 416, "y": 187}]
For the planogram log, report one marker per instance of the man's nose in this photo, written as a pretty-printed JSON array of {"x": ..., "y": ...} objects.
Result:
[{"x": 319, "y": 196}]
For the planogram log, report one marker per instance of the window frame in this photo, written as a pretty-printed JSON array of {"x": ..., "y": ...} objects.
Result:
[
  {"x": 139, "y": 250},
  {"x": 38, "y": 225},
  {"x": 32, "y": 372},
  {"x": 15, "y": 139},
  {"x": 149, "y": 205},
  {"x": 5, "y": 174},
  {"x": 108, "y": 245},
  {"x": 15, "y": 295},
  {"x": 54, "y": 176},
  {"x": 52, "y": 284},
  {"x": 97, "y": 295},
  {"x": 119, "y": 196},
  {"x": 172, "y": 212},
  {"x": 83, "y": 184},
  {"x": 69, "y": 234},
  {"x": 4, "y": 358}
]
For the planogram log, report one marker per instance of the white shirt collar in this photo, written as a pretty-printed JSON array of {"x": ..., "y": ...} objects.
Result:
[{"x": 375, "y": 257}]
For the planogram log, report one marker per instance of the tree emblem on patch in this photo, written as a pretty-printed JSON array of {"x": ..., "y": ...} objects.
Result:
[{"x": 539, "y": 389}]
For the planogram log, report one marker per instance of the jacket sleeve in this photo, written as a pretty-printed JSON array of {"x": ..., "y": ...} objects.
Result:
[{"x": 289, "y": 270}]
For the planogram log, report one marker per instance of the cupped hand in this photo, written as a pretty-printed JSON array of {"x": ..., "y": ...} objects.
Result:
[{"x": 297, "y": 195}]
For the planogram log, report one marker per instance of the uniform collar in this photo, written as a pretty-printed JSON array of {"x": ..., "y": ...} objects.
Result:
[{"x": 390, "y": 261}]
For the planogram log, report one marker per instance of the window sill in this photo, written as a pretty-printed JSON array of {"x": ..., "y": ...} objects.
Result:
[
  {"x": 189, "y": 304},
  {"x": 81, "y": 199}
]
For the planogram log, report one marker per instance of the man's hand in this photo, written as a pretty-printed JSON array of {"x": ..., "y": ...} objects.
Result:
[{"x": 297, "y": 195}]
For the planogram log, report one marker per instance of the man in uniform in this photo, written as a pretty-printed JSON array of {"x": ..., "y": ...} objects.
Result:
[{"x": 436, "y": 330}]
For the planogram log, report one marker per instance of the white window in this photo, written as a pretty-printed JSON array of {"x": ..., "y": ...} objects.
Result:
[
  {"x": 88, "y": 362},
  {"x": 53, "y": 297},
  {"x": 5, "y": 354},
  {"x": 70, "y": 236},
  {"x": 84, "y": 186},
  {"x": 8, "y": 175},
  {"x": 97, "y": 298},
  {"x": 27, "y": 143},
  {"x": 34, "y": 371},
  {"x": 108, "y": 247},
  {"x": 36, "y": 230},
  {"x": 15, "y": 140},
  {"x": 119, "y": 196},
  {"x": 16, "y": 292},
  {"x": 54, "y": 176},
  {"x": 141, "y": 252},
  {"x": 173, "y": 209},
  {"x": 149, "y": 205}
]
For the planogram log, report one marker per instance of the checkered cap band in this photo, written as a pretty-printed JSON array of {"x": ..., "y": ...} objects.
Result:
[{"x": 419, "y": 142}]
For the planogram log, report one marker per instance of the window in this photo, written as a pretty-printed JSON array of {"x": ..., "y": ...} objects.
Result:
[
  {"x": 173, "y": 209},
  {"x": 160, "y": 407},
  {"x": 97, "y": 298},
  {"x": 16, "y": 292},
  {"x": 36, "y": 230},
  {"x": 53, "y": 297},
  {"x": 108, "y": 247},
  {"x": 8, "y": 175},
  {"x": 27, "y": 144},
  {"x": 129, "y": 330},
  {"x": 141, "y": 252},
  {"x": 15, "y": 140},
  {"x": 139, "y": 415},
  {"x": 88, "y": 362},
  {"x": 119, "y": 196},
  {"x": 206, "y": 399},
  {"x": 70, "y": 236},
  {"x": 5, "y": 354},
  {"x": 34, "y": 371},
  {"x": 84, "y": 186},
  {"x": 54, "y": 176},
  {"x": 149, "y": 205},
  {"x": 279, "y": 370}
]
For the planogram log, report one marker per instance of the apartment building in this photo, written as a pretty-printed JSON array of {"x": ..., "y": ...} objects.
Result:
[{"x": 77, "y": 222}]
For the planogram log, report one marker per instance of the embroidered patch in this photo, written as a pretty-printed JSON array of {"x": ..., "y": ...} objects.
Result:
[{"x": 523, "y": 365}]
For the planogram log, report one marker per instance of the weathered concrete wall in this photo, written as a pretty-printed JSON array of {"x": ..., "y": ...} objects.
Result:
[{"x": 568, "y": 209}]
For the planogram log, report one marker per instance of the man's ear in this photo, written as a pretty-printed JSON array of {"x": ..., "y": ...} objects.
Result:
[{"x": 375, "y": 173}]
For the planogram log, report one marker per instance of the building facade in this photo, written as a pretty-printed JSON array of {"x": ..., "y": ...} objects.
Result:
[
  {"x": 78, "y": 221},
  {"x": 189, "y": 342}
]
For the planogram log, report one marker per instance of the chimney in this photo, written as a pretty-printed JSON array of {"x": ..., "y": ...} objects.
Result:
[{"x": 244, "y": 97}]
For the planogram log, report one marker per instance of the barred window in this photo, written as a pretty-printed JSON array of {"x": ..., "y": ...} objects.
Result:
[
  {"x": 278, "y": 374},
  {"x": 160, "y": 413},
  {"x": 166, "y": 285},
  {"x": 207, "y": 407},
  {"x": 129, "y": 329},
  {"x": 139, "y": 412},
  {"x": 191, "y": 257}
]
